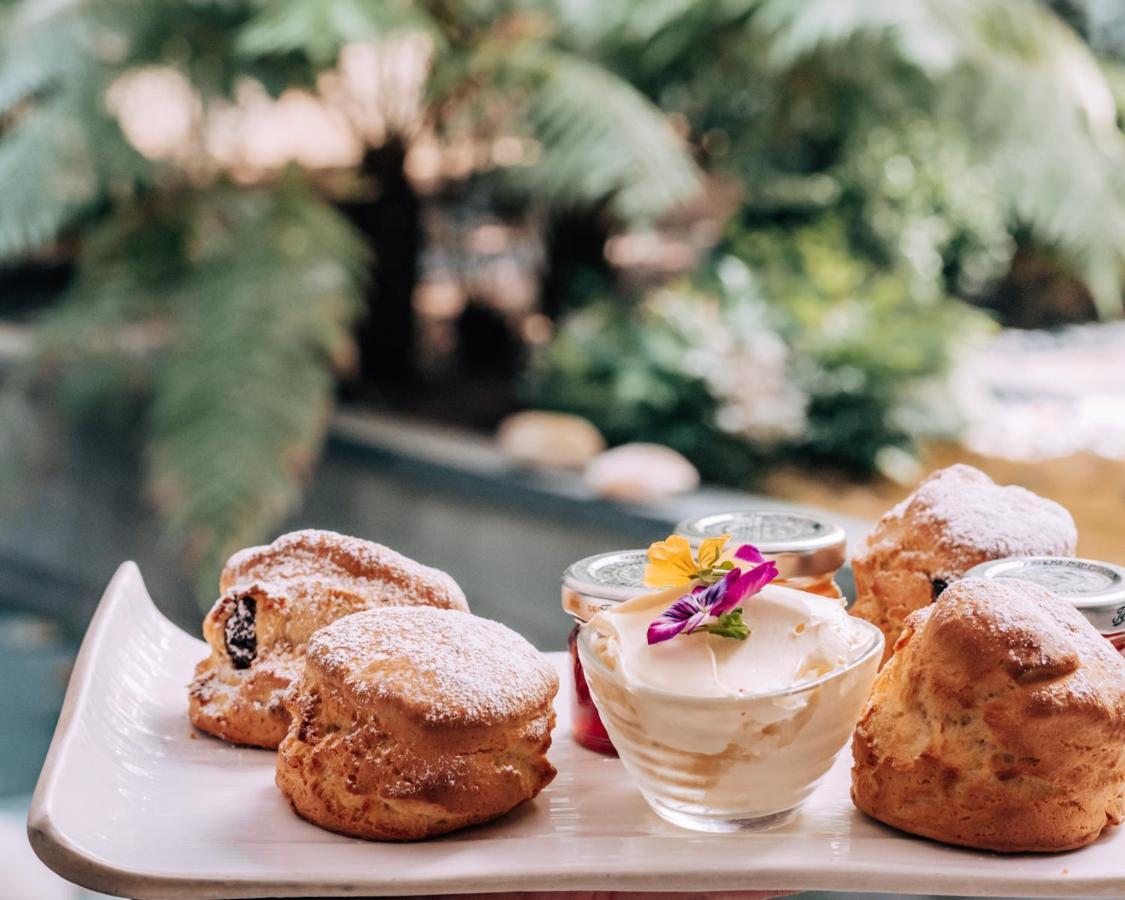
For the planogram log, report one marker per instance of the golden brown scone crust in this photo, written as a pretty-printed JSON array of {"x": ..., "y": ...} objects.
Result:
[
  {"x": 956, "y": 518},
  {"x": 278, "y": 595},
  {"x": 412, "y": 722},
  {"x": 999, "y": 724}
]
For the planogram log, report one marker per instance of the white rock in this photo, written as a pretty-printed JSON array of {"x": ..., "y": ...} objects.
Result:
[
  {"x": 550, "y": 439},
  {"x": 639, "y": 472}
]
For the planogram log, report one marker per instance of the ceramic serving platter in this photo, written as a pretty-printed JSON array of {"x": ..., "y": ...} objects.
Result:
[{"x": 132, "y": 801}]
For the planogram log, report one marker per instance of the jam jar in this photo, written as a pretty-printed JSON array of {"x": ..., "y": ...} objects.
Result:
[
  {"x": 808, "y": 550},
  {"x": 1096, "y": 589},
  {"x": 589, "y": 586}
]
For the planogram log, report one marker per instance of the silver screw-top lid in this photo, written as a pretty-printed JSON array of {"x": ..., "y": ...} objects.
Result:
[
  {"x": 596, "y": 582},
  {"x": 802, "y": 545},
  {"x": 1097, "y": 589}
]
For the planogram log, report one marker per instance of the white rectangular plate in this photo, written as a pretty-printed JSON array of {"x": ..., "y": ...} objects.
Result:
[{"x": 132, "y": 801}]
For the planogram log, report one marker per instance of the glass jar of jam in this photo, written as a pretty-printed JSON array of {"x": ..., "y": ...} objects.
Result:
[
  {"x": 808, "y": 551},
  {"x": 589, "y": 586},
  {"x": 1096, "y": 589}
]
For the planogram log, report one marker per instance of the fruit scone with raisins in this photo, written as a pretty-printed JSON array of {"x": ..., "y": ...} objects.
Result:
[{"x": 272, "y": 600}]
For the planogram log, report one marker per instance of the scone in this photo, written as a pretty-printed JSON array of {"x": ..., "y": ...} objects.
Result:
[
  {"x": 273, "y": 599},
  {"x": 999, "y": 723},
  {"x": 957, "y": 518},
  {"x": 413, "y": 722}
]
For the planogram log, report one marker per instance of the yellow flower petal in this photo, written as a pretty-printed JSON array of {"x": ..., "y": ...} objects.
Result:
[
  {"x": 670, "y": 563},
  {"x": 711, "y": 549}
]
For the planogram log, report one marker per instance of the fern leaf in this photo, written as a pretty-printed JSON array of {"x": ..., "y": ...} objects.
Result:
[
  {"x": 241, "y": 406},
  {"x": 320, "y": 28},
  {"x": 37, "y": 48},
  {"x": 602, "y": 140},
  {"x": 45, "y": 177},
  {"x": 928, "y": 33},
  {"x": 1026, "y": 89},
  {"x": 1047, "y": 120}
]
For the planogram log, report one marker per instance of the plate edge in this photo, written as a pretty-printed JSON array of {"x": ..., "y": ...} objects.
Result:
[
  {"x": 54, "y": 849},
  {"x": 61, "y": 855}
]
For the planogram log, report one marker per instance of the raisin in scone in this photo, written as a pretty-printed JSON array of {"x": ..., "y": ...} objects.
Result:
[
  {"x": 273, "y": 599},
  {"x": 956, "y": 518},
  {"x": 413, "y": 722}
]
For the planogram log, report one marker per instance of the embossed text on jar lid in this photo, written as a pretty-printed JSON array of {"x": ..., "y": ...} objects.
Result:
[
  {"x": 593, "y": 583},
  {"x": 1087, "y": 583},
  {"x": 618, "y": 575},
  {"x": 1096, "y": 589},
  {"x": 801, "y": 544}
]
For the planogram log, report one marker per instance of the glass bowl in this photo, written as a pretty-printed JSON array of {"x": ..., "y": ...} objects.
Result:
[{"x": 725, "y": 764}]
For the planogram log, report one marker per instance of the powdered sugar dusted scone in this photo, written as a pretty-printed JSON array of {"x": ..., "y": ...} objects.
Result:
[
  {"x": 999, "y": 723},
  {"x": 957, "y": 518},
  {"x": 273, "y": 599},
  {"x": 413, "y": 722}
]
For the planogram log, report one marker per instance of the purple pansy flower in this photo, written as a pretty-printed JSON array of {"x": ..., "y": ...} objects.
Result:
[{"x": 690, "y": 612}]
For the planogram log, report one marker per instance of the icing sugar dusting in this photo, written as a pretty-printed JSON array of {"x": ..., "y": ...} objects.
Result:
[
  {"x": 310, "y": 557},
  {"x": 1026, "y": 625},
  {"x": 971, "y": 512},
  {"x": 455, "y": 667}
]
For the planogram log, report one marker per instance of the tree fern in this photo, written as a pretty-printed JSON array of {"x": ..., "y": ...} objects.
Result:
[
  {"x": 1007, "y": 78},
  {"x": 320, "y": 28},
  {"x": 1028, "y": 91},
  {"x": 46, "y": 178},
  {"x": 602, "y": 141},
  {"x": 38, "y": 44},
  {"x": 228, "y": 313},
  {"x": 240, "y": 408},
  {"x": 61, "y": 152}
]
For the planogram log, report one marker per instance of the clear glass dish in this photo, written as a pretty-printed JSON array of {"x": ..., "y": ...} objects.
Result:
[{"x": 724, "y": 764}]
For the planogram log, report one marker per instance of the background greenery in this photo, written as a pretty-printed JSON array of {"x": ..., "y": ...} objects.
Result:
[{"x": 875, "y": 173}]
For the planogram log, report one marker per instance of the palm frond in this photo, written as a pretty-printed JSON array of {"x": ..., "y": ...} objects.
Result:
[{"x": 241, "y": 406}]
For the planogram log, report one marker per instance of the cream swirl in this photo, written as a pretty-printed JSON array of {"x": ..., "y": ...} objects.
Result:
[{"x": 794, "y": 637}]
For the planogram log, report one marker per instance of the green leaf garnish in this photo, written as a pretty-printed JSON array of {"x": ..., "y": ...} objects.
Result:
[{"x": 729, "y": 625}]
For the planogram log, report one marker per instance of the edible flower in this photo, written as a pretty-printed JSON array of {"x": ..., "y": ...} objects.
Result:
[
  {"x": 749, "y": 553},
  {"x": 718, "y": 601},
  {"x": 671, "y": 563}
]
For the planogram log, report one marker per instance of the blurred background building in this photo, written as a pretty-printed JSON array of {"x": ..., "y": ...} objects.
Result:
[{"x": 281, "y": 262}]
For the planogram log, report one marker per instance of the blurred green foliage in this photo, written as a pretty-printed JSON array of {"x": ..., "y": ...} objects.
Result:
[
  {"x": 888, "y": 158},
  {"x": 893, "y": 157},
  {"x": 939, "y": 126},
  {"x": 214, "y": 313},
  {"x": 865, "y": 354}
]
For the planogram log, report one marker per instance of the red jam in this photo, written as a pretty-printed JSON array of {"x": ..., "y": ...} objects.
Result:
[{"x": 587, "y": 725}]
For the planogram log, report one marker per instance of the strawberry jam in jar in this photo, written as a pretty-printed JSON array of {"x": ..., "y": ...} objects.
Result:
[
  {"x": 808, "y": 550},
  {"x": 589, "y": 586},
  {"x": 1096, "y": 589}
]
